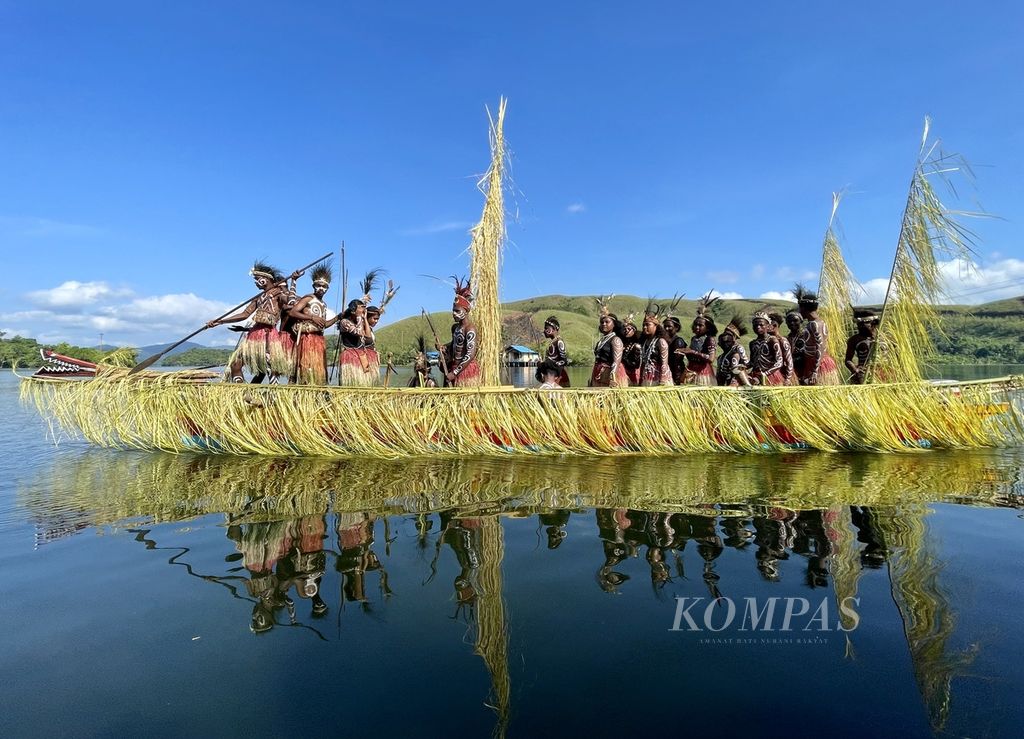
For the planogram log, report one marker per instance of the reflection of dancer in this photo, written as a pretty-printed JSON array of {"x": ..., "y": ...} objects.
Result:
[
  {"x": 875, "y": 552},
  {"x": 356, "y": 556},
  {"x": 304, "y": 566},
  {"x": 811, "y": 541},
  {"x": 463, "y": 536},
  {"x": 611, "y": 525},
  {"x": 772, "y": 534},
  {"x": 555, "y": 522},
  {"x": 262, "y": 544}
]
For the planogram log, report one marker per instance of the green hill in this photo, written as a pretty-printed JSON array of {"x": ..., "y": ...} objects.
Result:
[{"x": 987, "y": 333}]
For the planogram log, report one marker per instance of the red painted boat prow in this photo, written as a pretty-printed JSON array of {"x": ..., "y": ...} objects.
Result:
[{"x": 58, "y": 366}]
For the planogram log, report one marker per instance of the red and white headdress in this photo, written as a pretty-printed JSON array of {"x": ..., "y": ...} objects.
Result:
[{"x": 463, "y": 294}]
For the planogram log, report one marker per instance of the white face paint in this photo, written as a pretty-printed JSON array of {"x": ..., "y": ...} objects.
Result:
[
  {"x": 458, "y": 314},
  {"x": 261, "y": 282}
]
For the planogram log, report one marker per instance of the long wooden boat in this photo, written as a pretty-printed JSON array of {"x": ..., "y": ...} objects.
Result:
[{"x": 194, "y": 412}]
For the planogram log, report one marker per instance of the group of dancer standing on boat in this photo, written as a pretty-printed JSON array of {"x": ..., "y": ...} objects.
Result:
[
  {"x": 656, "y": 353},
  {"x": 285, "y": 339}
]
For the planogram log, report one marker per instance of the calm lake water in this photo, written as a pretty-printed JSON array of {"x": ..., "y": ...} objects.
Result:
[{"x": 188, "y": 595}]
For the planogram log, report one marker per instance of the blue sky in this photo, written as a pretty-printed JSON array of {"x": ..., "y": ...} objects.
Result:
[{"x": 151, "y": 151}]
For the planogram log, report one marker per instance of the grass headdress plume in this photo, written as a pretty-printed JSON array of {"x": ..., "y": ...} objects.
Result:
[
  {"x": 262, "y": 269},
  {"x": 322, "y": 273}
]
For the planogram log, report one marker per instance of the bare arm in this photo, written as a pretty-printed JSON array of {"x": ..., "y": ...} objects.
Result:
[
  {"x": 616, "y": 360},
  {"x": 240, "y": 316},
  {"x": 666, "y": 373}
]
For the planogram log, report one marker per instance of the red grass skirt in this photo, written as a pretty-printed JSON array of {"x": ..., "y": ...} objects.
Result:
[
  {"x": 374, "y": 359},
  {"x": 704, "y": 376},
  {"x": 601, "y": 375},
  {"x": 828, "y": 372},
  {"x": 773, "y": 378},
  {"x": 356, "y": 368},
  {"x": 311, "y": 360},
  {"x": 469, "y": 377}
]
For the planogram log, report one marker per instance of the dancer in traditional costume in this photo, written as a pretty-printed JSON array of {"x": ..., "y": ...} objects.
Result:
[
  {"x": 631, "y": 350},
  {"x": 732, "y": 361},
  {"x": 816, "y": 365},
  {"x": 700, "y": 355},
  {"x": 310, "y": 321},
  {"x": 676, "y": 349},
  {"x": 353, "y": 360},
  {"x": 765, "y": 353},
  {"x": 859, "y": 346},
  {"x": 654, "y": 369},
  {"x": 373, "y": 316},
  {"x": 263, "y": 349},
  {"x": 463, "y": 369},
  {"x": 788, "y": 370},
  {"x": 421, "y": 376},
  {"x": 795, "y": 324},
  {"x": 608, "y": 370},
  {"x": 556, "y": 352}
]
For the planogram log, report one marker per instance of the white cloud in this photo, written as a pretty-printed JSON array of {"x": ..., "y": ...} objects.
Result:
[
  {"x": 965, "y": 283},
  {"x": 724, "y": 276},
  {"x": 575, "y": 208},
  {"x": 78, "y": 312},
  {"x": 74, "y": 294},
  {"x": 776, "y": 295},
  {"x": 437, "y": 228},
  {"x": 728, "y": 295}
]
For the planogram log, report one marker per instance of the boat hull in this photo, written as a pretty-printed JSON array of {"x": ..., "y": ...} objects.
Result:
[{"x": 179, "y": 414}]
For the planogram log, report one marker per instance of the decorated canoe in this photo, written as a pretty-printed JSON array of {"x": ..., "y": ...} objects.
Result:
[{"x": 195, "y": 411}]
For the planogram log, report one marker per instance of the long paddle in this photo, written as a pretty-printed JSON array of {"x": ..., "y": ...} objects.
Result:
[{"x": 156, "y": 357}]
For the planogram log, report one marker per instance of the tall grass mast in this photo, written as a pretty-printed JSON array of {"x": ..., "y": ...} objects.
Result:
[
  {"x": 835, "y": 285},
  {"x": 929, "y": 230},
  {"x": 488, "y": 241}
]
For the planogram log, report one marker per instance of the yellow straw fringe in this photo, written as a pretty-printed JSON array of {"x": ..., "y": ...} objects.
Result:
[
  {"x": 485, "y": 251},
  {"x": 179, "y": 415}
]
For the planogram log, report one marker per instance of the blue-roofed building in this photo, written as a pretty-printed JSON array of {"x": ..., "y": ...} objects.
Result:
[{"x": 516, "y": 355}]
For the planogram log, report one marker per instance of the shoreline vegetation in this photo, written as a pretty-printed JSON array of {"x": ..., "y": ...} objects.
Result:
[{"x": 990, "y": 333}]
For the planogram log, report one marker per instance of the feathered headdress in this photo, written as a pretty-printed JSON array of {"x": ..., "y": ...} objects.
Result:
[
  {"x": 262, "y": 269},
  {"x": 602, "y": 304},
  {"x": 389, "y": 293},
  {"x": 764, "y": 314},
  {"x": 370, "y": 280},
  {"x": 652, "y": 311},
  {"x": 321, "y": 274},
  {"x": 705, "y": 303},
  {"x": 463, "y": 293},
  {"x": 553, "y": 322},
  {"x": 630, "y": 319},
  {"x": 736, "y": 326},
  {"x": 805, "y": 297}
]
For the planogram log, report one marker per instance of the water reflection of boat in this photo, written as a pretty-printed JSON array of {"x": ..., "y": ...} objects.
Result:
[{"x": 291, "y": 522}]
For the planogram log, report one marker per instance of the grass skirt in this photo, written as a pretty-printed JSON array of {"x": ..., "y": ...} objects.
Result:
[
  {"x": 705, "y": 377},
  {"x": 601, "y": 375},
  {"x": 828, "y": 372},
  {"x": 257, "y": 344},
  {"x": 469, "y": 377},
  {"x": 311, "y": 360},
  {"x": 374, "y": 359},
  {"x": 356, "y": 368}
]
